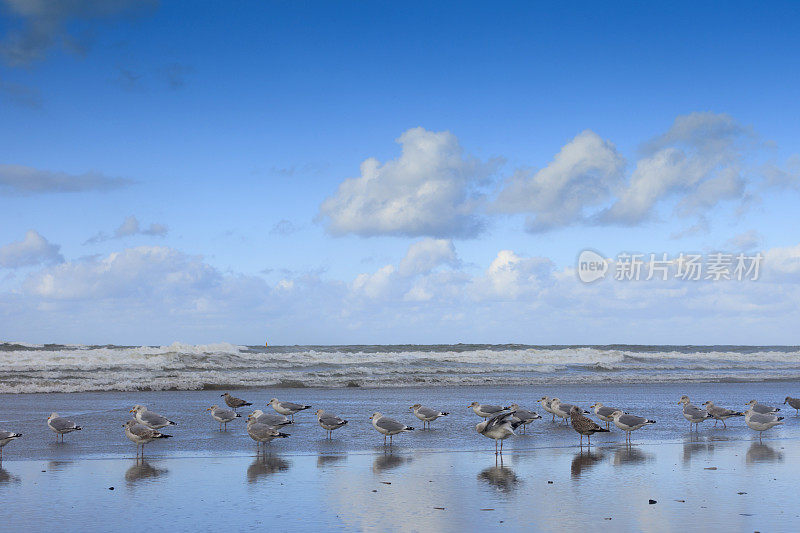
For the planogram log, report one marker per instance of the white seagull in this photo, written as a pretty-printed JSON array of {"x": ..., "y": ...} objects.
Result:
[
  {"x": 499, "y": 428},
  {"x": 761, "y": 421},
  {"x": 628, "y": 423},
  {"x": 692, "y": 413},
  {"x": 604, "y": 413},
  {"x": 329, "y": 422},
  {"x": 287, "y": 408},
  {"x": 149, "y": 418},
  {"x": 387, "y": 426},
  {"x": 485, "y": 410},
  {"x": 426, "y": 414},
  {"x": 223, "y": 416},
  {"x": 5, "y": 438},
  {"x": 760, "y": 408},
  {"x": 140, "y": 434},
  {"x": 270, "y": 419},
  {"x": 61, "y": 426},
  {"x": 524, "y": 416}
]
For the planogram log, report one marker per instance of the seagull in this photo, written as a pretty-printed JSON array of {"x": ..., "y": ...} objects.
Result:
[
  {"x": 583, "y": 425},
  {"x": 223, "y": 416},
  {"x": 760, "y": 408},
  {"x": 546, "y": 405},
  {"x": 329, "y": 422},
  {"x": 499, "y": 428},
  {"x": 794, "y": 403},
  {"x": 761, "y": 421},
  {"x": 426, "y": 414},
  {"x": 5, "y": 438},
  {"x": 270, "y": 419},
  {"x": 233, "y": 401},
  {"x": 628, "y": 423},
  {"x": 61, "y": 425},
  {"x": 140, "y": 434},
  {"x": 692, "y": 413},
  {"x": 387, "y": 426},
  {"x": 149, "y": 418},
  {"x": 262, "y": 433},
  {"x": 604, "y": 413},
  {"x": 562, "y": 409},
  {"x": 287, "y": 408},
  {"x": 720, "y": 413},
  {"x": 526, "y": 417},
  {"x": 485, "y": 411}
]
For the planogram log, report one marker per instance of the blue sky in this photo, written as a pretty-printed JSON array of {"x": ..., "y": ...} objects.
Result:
[{"x": 183, "y": 169}]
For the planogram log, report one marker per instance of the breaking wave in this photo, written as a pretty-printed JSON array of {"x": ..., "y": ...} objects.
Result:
[{"x": 28, "y": 368}]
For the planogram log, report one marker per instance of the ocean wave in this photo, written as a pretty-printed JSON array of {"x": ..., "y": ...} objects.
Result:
[{"x": 27, "y": 368}]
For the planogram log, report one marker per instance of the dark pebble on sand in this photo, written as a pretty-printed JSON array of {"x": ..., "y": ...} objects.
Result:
[
  {"x": 651, "y": 502},
  {"x": 741, "y": 493},
  {"x": 549, "y": 482},
  {"x": 110, "y": 488}
]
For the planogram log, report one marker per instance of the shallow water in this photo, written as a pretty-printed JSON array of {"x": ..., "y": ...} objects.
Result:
[
  {"x": 102, "y": 416},
  {"x": 697, "y": 486}
]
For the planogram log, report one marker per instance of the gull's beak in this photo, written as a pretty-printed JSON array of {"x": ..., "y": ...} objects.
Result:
[
  {"x": 132, "y": 410},
  {"x": 208, "y": 409}
]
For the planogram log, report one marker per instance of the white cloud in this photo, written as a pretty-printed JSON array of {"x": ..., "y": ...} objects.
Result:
[
  {"x": 582, "y": 175},
  {"x": 31, "y": 251},
  {"x": 430, "y": 190},
  {"x": 425, "y": 255},
  {"x": 158, "y": 294},
  {"x": 142, "y": 271},
  {"x": 697, "y": 161},
  {"x": 17, "y": 179},
  {"x": 510, "y": 277},
  {"x": 130, "y": 227}
]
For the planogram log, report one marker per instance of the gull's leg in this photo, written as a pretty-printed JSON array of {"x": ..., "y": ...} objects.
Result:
[{"x": 724, "y": 425}]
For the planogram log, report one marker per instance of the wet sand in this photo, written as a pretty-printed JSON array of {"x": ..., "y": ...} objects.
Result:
[
  {"x": 204, "y": 478},
  {"x": 738, "y": 486}
]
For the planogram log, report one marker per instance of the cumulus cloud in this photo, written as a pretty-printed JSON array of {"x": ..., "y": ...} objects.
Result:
[
  {"x": 582, "y": 175},
  {"x": 430, "y": 190},
  {"x": 134, "y": 271},
  {"x": 698, "y": 161},
  {"x": 425, "y": 255},
  {"x": 43, "y": 25},
  {"x": 17, "y": 179},
  {"x": 130, "y": 227},
  {"x": 32, "y": 250},
  {"x": 159, "y": 294}
]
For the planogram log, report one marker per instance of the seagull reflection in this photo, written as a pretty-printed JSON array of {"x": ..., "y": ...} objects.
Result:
[
  {"x": 629, "y": 455},
  {"x": 8, "y": 477},
  {"x": 762, "y": 453},
  {"x": 265, "y": 465},
  {"x": 58, "y": 466},
  {"x": 143, "y": 470},
  {"x": 584, "y": 461},
  {"x": 325, "y": 460},
  {"x": 696, "y": 446},
  {"x": 388, "y": 461},
  {"x": 500, "y": 477}
]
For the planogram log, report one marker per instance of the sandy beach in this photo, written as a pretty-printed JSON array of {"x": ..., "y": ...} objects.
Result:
[{"x": 443, "y": 479}]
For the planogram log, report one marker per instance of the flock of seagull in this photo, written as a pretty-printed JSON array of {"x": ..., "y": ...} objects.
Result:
[{"x": 499, "y": 422}]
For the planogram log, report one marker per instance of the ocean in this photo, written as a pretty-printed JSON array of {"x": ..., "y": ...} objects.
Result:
[{"x": 30, "y": 368}]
